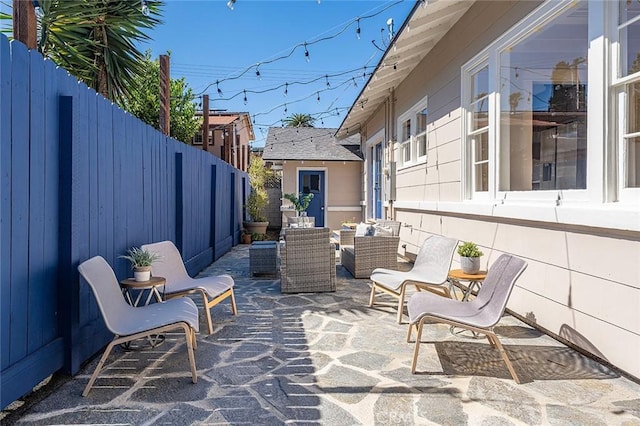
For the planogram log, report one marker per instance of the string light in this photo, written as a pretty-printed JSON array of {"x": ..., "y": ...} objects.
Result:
[
  {"x": 144, "y": 7},
  {"x": 258, "y": 72},
  {"x": 286, "y": 89},
  {"x": 327, "y": 78},
  {"x": 306, "y": 53},
  {"x": 231, "y": 3},
  {"x": 355, "y": 83},
  {"x": 245, "y": 97},
  {"x": 305, "y": 44},
  {"x": 218, "y": 88},
  {"x": 358, "y": 28},
  {"x": 285, "y": 109},
  {"x": 318, "y": 93}
]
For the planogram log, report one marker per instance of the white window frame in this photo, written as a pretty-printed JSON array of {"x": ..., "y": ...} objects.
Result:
[
  {"x": 411, "y": 116},
  {"x": 598, "y": 105},
  {"x": 619, "y": 111}
]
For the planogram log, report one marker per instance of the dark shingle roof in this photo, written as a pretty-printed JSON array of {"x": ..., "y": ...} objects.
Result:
[{"x": 310, "y": 143}]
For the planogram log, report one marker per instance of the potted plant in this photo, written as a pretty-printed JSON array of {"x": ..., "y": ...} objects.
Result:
[
  {"x": 258, "y": 198},
  {"x": 469, "y": 257},
  {"x": 257, "y": 236},
  {"x": 300, "y": 202},
  {"x": 246, "y": 237},
  {"x": 141, "y": 261}
]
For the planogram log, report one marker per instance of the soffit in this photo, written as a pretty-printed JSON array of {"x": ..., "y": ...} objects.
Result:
[{"x": 425, "y": 26}]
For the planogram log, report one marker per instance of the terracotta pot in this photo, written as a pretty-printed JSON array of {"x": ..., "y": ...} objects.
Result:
[{"x": 257, "y": 227}]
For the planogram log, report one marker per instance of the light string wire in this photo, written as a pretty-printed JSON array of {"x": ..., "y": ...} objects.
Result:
[{"x": 304, "y": 45}]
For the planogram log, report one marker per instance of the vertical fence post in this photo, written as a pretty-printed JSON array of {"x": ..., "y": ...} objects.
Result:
[
  {"x": 179, "y": 203},
  {"x": 205, "y": 122},
  {"x": 213, "y": 209},
  {"x": 165, "y": 95},
  {"x": 24, "y": 23},
  {"x": 68, "y": 277},
  {"x": 232, "y": 202}
]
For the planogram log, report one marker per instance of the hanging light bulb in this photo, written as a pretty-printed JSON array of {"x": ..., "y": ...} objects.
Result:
[
  {"x": 144, "y": 7},
  {"x": 218, "y": 87},
  {"x": 327, "y": 78},
  {"x": 245, "y": 96},
  {"x": 337, "y": 112},
  {"x": 355, "y": 83},
  {"x": 230, "y": 4},
  {"x": 258, "y": 72},
  {"x": 364, "y": 73},
  {"x": 318, "y": 93},
  {"x": 322, "y": 121},
  {"x": 286, "y": 89},
  {"x": 285, "y": 109},
  {"x": 306, "y": 53},
  {"x": 358, "y": 28}
]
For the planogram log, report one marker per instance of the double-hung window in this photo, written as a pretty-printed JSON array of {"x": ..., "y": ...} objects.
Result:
[
  {"x": 533, "y": 135},
  {"x": 413, "y": 135},
  {"x": 627, "y": 90}
]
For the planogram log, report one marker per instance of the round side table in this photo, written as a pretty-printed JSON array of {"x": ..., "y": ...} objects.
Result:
[{"x": 152, "y": 285}]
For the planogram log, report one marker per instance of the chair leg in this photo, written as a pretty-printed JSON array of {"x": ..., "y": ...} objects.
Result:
[
  {"x": 190, "y": 337},
  {"x": 372, "y": 297},
  {"x": 409, "y": 331},
  {"x": 414, "y": 362},
  {"x": 234, "y": 308},
  {"x": 207, "y": 312},
  {"x": 104, "y": 357},
  {"x": 401, "y": 303},
  {"x": 503, "y": 353},
  {"x": 193, "y": 339}
]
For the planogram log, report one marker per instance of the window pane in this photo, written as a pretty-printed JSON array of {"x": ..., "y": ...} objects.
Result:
[
  {"x": 480, "y": 114},
  {"x": 406, "y": 130},
  {"x": 630, "y": 49},
  {"x": 480, "y": 84},
  {"x": 481, "y": 177},
  {"x": 481, "y": 147},
  {"x": 422, "y": 144},
  {"x": 633, "y": 163},
  {"x": 633, "y": 112},
  {"x": 406, "y": 152},
  {"x": 629, "y": 9},
  {"x": 543, "y": 109},
  {"x": 421, "y": 121}
]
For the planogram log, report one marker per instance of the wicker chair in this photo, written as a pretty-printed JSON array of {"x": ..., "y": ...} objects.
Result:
[
  {"x": 307, "y": 261},
  {"x": 361, "y": 255}
]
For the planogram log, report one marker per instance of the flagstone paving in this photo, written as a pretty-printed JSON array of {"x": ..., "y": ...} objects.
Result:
[{"x": 327, "y": 358}]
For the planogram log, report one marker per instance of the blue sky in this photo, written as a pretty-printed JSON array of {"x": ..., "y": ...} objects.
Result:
[{"x": 210, "y": 42}]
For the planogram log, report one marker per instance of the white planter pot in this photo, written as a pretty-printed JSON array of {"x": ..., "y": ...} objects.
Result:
[
  {"x": 142, "y": 273},
  {"x": 470, "y": 265}
]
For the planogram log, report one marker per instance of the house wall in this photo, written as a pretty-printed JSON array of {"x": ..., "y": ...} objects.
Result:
[
  {"x": 343, "y": 189},
  {"x": 583, "y": 281}
]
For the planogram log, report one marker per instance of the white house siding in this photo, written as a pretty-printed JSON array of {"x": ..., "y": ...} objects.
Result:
[{"x": 583, "y": 278}]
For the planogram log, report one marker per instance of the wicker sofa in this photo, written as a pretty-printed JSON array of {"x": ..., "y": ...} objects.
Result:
[
  {"x": 361, "y": 255},
  {"x": 307, "y": 261}
]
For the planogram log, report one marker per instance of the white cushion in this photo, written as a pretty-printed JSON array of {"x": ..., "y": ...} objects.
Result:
[
  {"x": 384, "y": 231},
  {"x": 362, "y": 229}
]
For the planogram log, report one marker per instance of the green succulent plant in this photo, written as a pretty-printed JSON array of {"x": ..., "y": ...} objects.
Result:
[
  {"x": 469, "y": 249},
  {"x": 139, "y": 257}
]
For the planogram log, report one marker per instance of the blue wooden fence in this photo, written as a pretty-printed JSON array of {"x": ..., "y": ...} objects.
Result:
[{"x": 79, "y": 178}]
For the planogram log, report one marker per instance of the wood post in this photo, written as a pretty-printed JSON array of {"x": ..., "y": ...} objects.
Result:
[
  {"x": 205, "y": 122},
  {"x": 165, "y": 95},
  {"x": 24, "y": 23}
]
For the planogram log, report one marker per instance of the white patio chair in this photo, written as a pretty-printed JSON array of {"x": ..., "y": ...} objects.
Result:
[
  {"x": 430, "y": 271},
  {"x": 128, "y": 323},
  {"x": 213, "y": 289},
  {"x": 479, "y": 315}
]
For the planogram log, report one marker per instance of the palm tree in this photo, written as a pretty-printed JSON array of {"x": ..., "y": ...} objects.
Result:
[
  {"x": 299, "y": 120},
  {"x": 95, "y": 40}
]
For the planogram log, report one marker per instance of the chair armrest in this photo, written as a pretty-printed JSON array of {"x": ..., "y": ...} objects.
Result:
[{"x": 347, "y": 236}]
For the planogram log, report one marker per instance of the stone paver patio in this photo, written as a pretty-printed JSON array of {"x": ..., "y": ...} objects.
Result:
[{"x": 329, "y": 359}]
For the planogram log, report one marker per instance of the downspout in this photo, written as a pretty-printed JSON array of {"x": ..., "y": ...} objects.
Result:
[{"x": 390, "y": 137}]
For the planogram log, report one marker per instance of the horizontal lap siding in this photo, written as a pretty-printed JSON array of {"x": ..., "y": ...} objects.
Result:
[{"x": 90, "y": 181}]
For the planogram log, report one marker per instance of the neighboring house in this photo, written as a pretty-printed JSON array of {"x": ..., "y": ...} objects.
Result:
[
  {"x": 230, "y": 135},
  {"x": 312, "y": 160},
  {"x": 516, "y": 124}
]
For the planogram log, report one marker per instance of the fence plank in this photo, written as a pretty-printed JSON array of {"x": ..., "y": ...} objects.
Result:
[
  {"x": 5, "y": 201},
  {"x": 38, "y": 280},
  {"x": 19, "y": 202}
]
